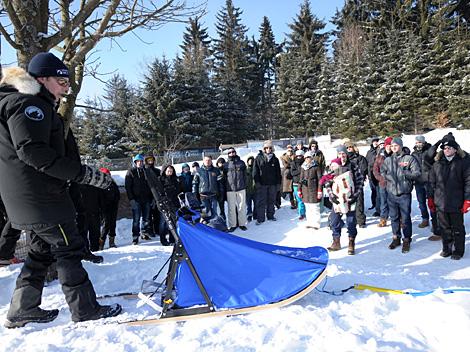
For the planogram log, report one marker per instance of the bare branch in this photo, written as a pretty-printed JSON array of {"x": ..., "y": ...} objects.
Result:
[
  {"x": 93, "y": 108},
  {"x": 7, "y": 36}
]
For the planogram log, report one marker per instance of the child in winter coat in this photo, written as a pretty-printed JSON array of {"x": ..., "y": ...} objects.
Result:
[{"x": 310, "y": 175}]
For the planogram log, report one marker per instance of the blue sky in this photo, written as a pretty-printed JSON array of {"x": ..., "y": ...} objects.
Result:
[{"x": 131, "y": 58}]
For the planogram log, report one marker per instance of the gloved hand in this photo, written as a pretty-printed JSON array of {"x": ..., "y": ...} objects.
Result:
[
  {"x": 92, "y": 176},
  {"x": 352, "y": 199},
  {"x": 299, "y": 193},
  {"x": 334, "y": 198},
  {"x": 319, "y": 194},
  {"x": 438, "y": 143},
  {"x": 304, "y": 182},
  {"x": 466, "y": 206},
  {"x": 432, "y": 206}
]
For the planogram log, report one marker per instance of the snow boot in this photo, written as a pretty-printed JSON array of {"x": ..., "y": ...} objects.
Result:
[
  {"x": 90, "y": 257},
  {"x": 103, "y": 312},
  {"x": 396, "y": 241},
  {"x": 382, "y": 222},
  {"x": 434, "y": 237},
  {"x": 112, "y": 244},
  {"x": 101, "y": 245},
  {"x": 37, "y": 316},
  {"x": 406, "y": 245},
  {"x": 424, "y": 223},
  {"x": 455, "y": 257},
  {"x": 351, "y": 246},
  {"x": 335, "y": 245}
]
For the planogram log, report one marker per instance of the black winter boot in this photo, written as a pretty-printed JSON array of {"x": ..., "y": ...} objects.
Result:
[
  {"x": 103, "y": 312},
  {"x": 396, "y": 242},
  {"x": 90, "y": 257},
  {"x": 38, "y": 315}
]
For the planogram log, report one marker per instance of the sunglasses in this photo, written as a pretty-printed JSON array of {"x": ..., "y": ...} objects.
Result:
[
  {"x": 232, "y": 152},
  {"x": 64, "y": 82}
]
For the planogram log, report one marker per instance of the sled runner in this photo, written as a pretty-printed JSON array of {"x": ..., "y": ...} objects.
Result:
[{"x": 213, "y": 273}]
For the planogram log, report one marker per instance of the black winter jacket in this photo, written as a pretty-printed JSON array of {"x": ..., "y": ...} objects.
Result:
[
  {"x": 171, "y": 187},
  {"x": 295, "y": 169},
  {"x": 450, "y": 181},
  {"x": 136, "y": 185},
  {"x": 370, "y": 157},
  {"x": 419, "y": 155},
  {"x": 109, "y": 198},
  {"x": 360, "y": 161},
  {"x": 208, "y": 181},
  {"x": 235, "y": 174},
  {"x": 267, "y": 172},
  {"x": 34, "y": 165},
  {"x": 400, "y": 179}
]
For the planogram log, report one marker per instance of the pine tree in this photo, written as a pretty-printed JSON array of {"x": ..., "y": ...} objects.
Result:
[
  {"x": 194, "y": 111},
  {"x": 152, "y": 126},
  {"x": 299, "y": 70},
  {"x": 231, "y": 79}
]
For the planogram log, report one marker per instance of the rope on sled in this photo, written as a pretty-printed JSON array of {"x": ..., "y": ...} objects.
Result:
[{"x": 362, "y": 287}]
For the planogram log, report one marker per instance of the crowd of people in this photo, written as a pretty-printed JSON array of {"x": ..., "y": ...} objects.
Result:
[
  {"x": 251, "y": 191},
  {"x": 69, "y": 209}
]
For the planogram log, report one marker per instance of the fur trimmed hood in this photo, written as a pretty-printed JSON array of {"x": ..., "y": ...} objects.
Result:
[
  {"x": 460, "y": 152},
  {"x": 21, "y": 80}
]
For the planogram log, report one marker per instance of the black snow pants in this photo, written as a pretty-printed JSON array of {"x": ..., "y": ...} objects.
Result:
[
  {"x": 8, "y": 238},
  {"x": 265, "y": 200},
  {"x": 62, "y": 243},
  {"x": 452, "y": 232}
]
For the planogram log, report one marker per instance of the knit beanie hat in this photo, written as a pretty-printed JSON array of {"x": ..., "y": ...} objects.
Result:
[
  {"x": 341, "y": 149},
  {"x": 388, "y": 141},
  {"x": 397, "y": 140},
  {"x": 184, "y": 165},
  {"x": 299, "y": 152},
  {"x": 47, "y": 65},
  {"x": 420, "y": 139}
]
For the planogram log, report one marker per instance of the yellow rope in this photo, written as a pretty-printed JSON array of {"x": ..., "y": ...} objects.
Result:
[{"x": 378, "y": 289}]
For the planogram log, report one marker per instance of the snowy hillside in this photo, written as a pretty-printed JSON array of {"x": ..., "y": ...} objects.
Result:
[{"x": 355, "y": 321}]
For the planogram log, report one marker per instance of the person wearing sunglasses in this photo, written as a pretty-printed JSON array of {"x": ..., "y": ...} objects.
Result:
[{"x": 37, "y": 163}]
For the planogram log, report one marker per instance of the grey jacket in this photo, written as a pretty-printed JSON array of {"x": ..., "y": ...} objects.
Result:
[
  {"x": 235, "y": 174},
  {"x": 399, "y": 178}
]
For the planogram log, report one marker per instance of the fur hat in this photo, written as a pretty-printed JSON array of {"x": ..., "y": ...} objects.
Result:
[
  {"x": 349, "y": 144},
  {"x": 47, "y": 65}
]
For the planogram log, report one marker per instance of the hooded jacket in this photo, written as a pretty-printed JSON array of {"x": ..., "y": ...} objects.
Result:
[
  {"x": 399, "y": 179},
  {"x": 208, "y": 181},
  {"x": 136, "y": 185},
  {"x": 419, "y": 155},
  {"x": 450, "y": 181},
  {"x": 34, "y": 164},
  {"x": 267, "y": 171},
  {"x": 310, "y": 175}
]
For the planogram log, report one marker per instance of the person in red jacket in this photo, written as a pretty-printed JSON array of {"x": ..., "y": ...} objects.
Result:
[{"x": 450, "y": 195}]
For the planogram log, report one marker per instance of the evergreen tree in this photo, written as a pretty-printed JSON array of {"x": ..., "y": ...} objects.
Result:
[
  {"x": 152, "y": 126},
  {"x": 231, "y": 80},
  {"x": 194, "y": 111},
  {"x": 299, "y": 70}
]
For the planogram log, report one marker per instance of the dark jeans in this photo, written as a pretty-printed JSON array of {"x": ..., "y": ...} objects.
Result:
[
  {"x": 109, "y": 219},
  {"x": 265, "y": 200},
  {"x": 337, "y": 223},
  {"x": 221, "y": 202},
  {"x": 373, "y": 195},
  {"x": 400, "y": 214},
  {"x": 64, "y": 244},
  {"x": 384, "y": 210},
  {"x": 210, "y": 206},
  {"x": 250, "y": 205},
  {"x": 436, "y": 229},
  {"x": 163, "y": 230},
  {"x": 8, "y": 239},
  {"x": 452, "y": 232},
  {"x": 360, "y": 215},
  {"x": 141, "y": 210},
  {"x": 421, "y": 196}
]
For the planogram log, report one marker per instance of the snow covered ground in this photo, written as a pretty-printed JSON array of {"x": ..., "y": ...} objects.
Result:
[{"x": 355, "y": 321}]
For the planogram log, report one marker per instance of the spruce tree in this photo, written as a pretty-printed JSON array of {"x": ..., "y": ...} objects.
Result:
[{"x": 231, "y": 80}]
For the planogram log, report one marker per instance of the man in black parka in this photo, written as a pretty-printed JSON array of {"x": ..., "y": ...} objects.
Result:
[
  {"x": 267, "y": 176},
  {"x": 450, "y": 195},
  {"x": 34, "y": 169}
]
